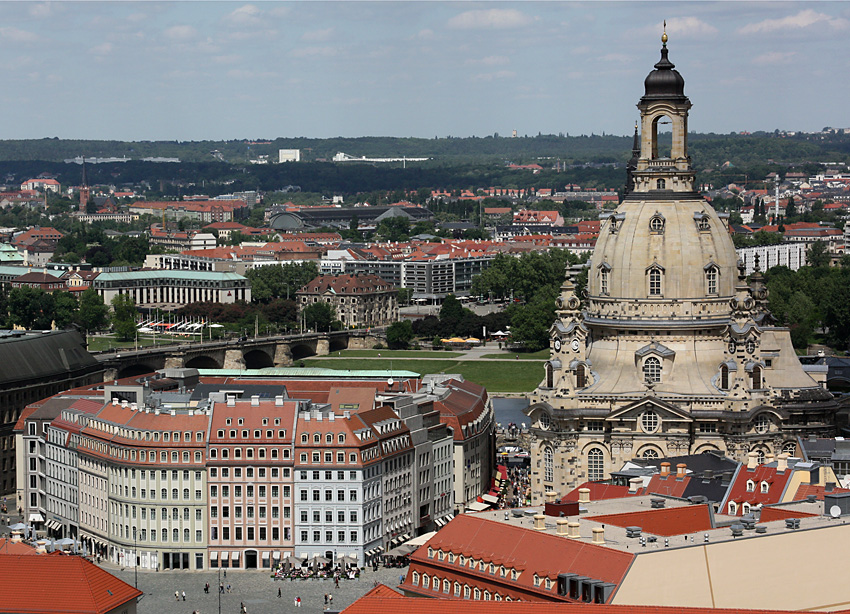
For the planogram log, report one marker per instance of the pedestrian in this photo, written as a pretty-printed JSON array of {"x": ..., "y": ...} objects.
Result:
[
  {"x": 220, "y": 587},
  {"x": 330, "y": 599},
  {"x": 229, "y": 588},
  {"x": 336, "y": 581},
  {"x": 298, "y": 602},
  {"x": 241, "y": 607},
  {"x": 176, "y": 595},
  {"x": 295, "y": 601},
  {"x": 278, "y": 592},
  {"x": 225, "y": 574},
  {"x": 326, "y": 599},
  {"x": 184, "y": 595}
]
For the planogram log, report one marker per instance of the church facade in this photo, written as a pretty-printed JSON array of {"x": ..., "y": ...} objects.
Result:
[{"x": 671, "y": 350}]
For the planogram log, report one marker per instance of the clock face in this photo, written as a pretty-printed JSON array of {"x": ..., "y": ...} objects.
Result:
[
  {"x": 575, "y": 345},
  {"x": 732, "y": 347},
  {"x": 751, "y": 346},
  {"x": 557, "y": 345}
]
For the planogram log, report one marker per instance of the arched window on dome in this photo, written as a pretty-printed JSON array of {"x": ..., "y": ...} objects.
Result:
[
  {"x": 661, "y": 184},
  {"x": 724, "y": 377},
  {"x": 711, "y": 275},
  {"x": 595, "y": 465},
  {"x": 704, "y": 225},
  {"x": 652, "y": 370},
  {"x": 655, "y": 277},
  {"x": 548, "y": 465},
  {"x": 604, "y": 281},
  {"x": 650, "y": 453},
  {"x": 656, "y": 224},
  {"x": 581, "y": 376}
]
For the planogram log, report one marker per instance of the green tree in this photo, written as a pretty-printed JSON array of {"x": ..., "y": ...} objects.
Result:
[
  {"x": 64, "y": 309},
  {"x": 404, "y": 296},
  {"x": 818, "y": 255},
  {"x": 399, "y": 334},
  {"x": 530, "y": 323},
  {"x": 320, "y": 316},
  {"x": 25, "y": 306},
  {"x": 93, "y": 314},
  {"x": 280, "y": 281},
  {"x": 124, "y": 317}
]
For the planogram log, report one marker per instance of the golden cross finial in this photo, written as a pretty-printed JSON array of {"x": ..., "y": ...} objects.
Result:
[{"x": 664, "y": 35}]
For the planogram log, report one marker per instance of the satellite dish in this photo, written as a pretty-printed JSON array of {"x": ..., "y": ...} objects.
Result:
[
  {"x": 390, "y": 382},
  {"x": 835, "y": 511}
]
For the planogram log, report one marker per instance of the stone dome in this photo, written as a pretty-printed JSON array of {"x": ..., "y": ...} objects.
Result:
[
  {"x": 664, "y": 82},
  {"x": 682, "y": 237}
]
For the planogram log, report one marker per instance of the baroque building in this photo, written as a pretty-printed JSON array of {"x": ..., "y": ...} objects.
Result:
[{"x": 671, "y": 350}]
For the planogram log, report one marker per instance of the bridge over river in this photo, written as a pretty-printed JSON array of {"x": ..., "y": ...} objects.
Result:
[{"x": 251, "y": 353}]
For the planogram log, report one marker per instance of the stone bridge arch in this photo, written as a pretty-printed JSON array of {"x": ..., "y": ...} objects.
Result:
[
  {"x": 302, "y": 349},
  {"x": 258, "y": 358},
  {"x": 135, "y": 369},
  {"x": 202, "y": 361}
]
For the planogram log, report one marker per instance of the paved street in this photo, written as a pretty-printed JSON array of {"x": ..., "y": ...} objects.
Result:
[{"x": 255, "y": 588}]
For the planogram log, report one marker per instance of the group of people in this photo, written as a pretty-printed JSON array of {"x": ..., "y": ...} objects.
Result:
[
  {"x": 518, "y": 493},
  {"x": 336, "y": 573}
]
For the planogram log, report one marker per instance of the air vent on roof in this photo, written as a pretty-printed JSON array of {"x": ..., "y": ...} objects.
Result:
[
  {"x": 656, "y": 503},
  {"x": 633, "y": 531},
  {"x": 737, "y": 530},
  {"x": 792, "y": 523}
]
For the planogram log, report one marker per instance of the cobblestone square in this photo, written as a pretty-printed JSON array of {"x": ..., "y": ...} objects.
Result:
[{"x": 255, "y": 589}]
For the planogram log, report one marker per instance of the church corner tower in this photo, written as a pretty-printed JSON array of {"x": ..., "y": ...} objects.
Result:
[{"x": 671, "y": 351}]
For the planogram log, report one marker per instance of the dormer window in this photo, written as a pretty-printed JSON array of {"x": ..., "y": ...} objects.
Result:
[
  {"x": 733, "y": 508},
  {"x": 751, "y": 486},
  {"x": 655, "y": 276},
  {"x": 612, "y": 228},
  {"x": 656, "y": 224},
  {"x": 764, "y": 487},
  {"x": 711, "y": 275},
  {"x": 703, "y": 225},
  {"x": 652, "y": 370}
]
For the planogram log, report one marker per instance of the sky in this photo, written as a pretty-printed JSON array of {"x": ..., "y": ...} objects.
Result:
[{"x": 197, "y": 70}]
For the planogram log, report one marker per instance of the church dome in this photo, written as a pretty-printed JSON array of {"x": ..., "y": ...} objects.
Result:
[{"x": 664, "y": 82}]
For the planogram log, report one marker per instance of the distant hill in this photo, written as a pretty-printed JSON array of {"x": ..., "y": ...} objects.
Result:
[{"x": 706, "y": 149}]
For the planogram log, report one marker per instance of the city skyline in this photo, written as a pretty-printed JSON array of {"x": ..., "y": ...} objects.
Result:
[{"x": 263, "y": 70}]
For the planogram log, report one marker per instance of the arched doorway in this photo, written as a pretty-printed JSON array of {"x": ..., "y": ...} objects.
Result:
[{"x": 250, "y": 559}]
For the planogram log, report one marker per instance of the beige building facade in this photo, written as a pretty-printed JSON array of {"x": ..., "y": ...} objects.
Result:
[{"x": 672, "y": 350}]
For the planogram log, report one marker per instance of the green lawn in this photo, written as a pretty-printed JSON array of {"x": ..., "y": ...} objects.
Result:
[
  {"x": 106, "y": 342},
  {"x": 399, "y": 354},
  {"x": 517, "y": 376}
]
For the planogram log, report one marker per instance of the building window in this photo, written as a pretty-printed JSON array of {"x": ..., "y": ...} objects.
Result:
[
  {"x": 703, "y": 225},
  {"x": 711, "y": 280},
  {"x": 581, "y": 376},
  {"x": 755, "y": 378},
  {"x": 656, "y": 224},
  {"x": 655, "y": 282},
  {"x": 762, "y": 424},
  {"x": 733, "y": 508},
  {"x": 650, "y": 453},
  {"x": 652, "y": 370},
  {"x": 595, "y": 465},
  {"x": 603, "y": 281},
  {"x": 548, "y": 464},
  {"x": 751, "y": 486},
  {"x": 724, "y": 377},
  {"x": 649, "y": 421},
  {"x": 660, "y": 184},
  {"x": 765, "y": 487}
]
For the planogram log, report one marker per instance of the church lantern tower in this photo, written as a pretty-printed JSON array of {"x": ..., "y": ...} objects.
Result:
[{"x": 671, "y": 350}]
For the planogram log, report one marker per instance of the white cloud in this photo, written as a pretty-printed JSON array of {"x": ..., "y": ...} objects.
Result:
[
  {"x": 238, "y": 73},
  {"x": 774, "y": 57},
  {"x": 621, "y": 58},
  {"x": 227, "y": 60},
  {"x": 425, "y": 34},
  {"x": 313, "y": 52},
  {"x": 690, "y": 27},
  {"x": 489, "y": 19},
  {"x": 102, "y": 49},
  {"x": 490, "y": 76},
  {"x": 14, "y": 35},
  {"x": 247, "y": 14},
  {"x": 181, "y": 33},
  {"x": 490, "y": 60},
  {"x": 318, "y": 36},
  {"x": 801, "y": 20},
  {"x": 40, "y": 10}
]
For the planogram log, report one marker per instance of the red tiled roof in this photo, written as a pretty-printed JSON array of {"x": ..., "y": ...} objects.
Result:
[
  {"x": 599, "y": 491},
  {"x": 738, "y": 493},
  {"x": 804, "y": 490},
  {"x": 59, "y": 584},
  {"x": 666, "y": 522},
  {"x": 769, "y": 513}
]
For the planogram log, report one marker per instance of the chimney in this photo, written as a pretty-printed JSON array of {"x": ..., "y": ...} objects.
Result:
[
  {"x": 572, "y": 530},
  {"x": 681, "y": 470},
  {"x": 584, "y": 495},
  {"x": 539, "y": 522},
  {"x": 331, "y": 416},
  {"x": 782, "y": 462},
  {"x": 665, "y": 468},
  {"x": 278, "y": 400},
  {"x": 115, "y": 400},
  {"x": 635, "y": 485},
  {"x": 551, "y": 495},
  {"x": 562, "y": 526},
  {"x": 255, "y": 400},
  {"x": 134, "y": 406},
  {"x": 191, "y": 412},
  {"x": 752, "y": 460},
  {"x": 598, "y": 535},
  {"x": 231, "y": 401},
  {"x": 124, "y": 403},
  {"x": 768, "y": 458}
]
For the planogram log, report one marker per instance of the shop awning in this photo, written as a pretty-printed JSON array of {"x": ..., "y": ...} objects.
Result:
[
  {"x": 490, "y": 498},
  {"x": 276, "y": 555},
  {"x": 36, "y": 517},
  {"x": 266, "y": 556},
  {"x": 214, "y": 555},
  {"x": 475, "y": 506},
  {"x": 225, "y": 555},
  {"x": 234, "y": 555}
]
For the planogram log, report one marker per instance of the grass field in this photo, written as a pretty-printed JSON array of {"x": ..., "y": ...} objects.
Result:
[
  {"x": 399, "y": 354},
  {"x": 516, "y": 376},
  {"x": 541, "y": 355}
]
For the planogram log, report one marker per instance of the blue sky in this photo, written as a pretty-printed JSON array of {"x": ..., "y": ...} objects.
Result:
[{"x": 233, "y": 70}]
